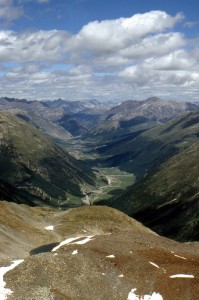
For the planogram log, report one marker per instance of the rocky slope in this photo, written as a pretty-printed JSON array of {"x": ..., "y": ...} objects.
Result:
[
  {"x": 94, "y": 253},
  {"x": 31, "y": 163},
  {"x": 130, "y": 113}
]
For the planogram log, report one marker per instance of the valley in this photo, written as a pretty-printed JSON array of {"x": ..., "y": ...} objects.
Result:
[
  {"x": 99, "y": 150},
  {"x": 117, "y": 182},
  {"x": 107, "y": 210},
  {"x": 125, "y": 158}
]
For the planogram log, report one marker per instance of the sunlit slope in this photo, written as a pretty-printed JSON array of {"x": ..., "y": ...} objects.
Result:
[{"x": 30, "y": 162}]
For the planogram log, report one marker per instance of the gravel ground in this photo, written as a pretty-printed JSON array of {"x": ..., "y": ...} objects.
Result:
[{"x": 106, "y": 255}]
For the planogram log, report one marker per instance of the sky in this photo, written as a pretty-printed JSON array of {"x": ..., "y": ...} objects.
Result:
[{"x": 99, "y": 49}]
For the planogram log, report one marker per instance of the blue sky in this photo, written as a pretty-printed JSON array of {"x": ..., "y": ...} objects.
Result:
[{"x": 102, "y": 49}]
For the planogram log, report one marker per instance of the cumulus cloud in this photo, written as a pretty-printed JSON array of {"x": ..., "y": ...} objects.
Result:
[
  {"x": 112, "y": 59},
  {"x": 32, "y": 46},
  {"x": 111, "y": 35}
]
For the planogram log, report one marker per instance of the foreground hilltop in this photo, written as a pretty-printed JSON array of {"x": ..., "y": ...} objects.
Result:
[{"x": 92, "y": 253}]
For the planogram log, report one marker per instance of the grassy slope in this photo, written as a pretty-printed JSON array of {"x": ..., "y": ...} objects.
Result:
[
  {"x": 167, "y": 198},
  {"x": 148, "y": 150},
  {"x": 31, "y": 162}
]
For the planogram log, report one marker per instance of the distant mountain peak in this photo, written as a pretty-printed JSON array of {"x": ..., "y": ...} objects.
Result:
[
  {"x": 15, "y": 100},
  {"x": 153, "y": 99}
]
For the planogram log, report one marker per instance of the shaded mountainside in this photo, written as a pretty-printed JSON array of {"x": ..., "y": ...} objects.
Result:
[
  {"x": 37, "y": 114},
  {"x": 30, "y": 162},
  {"x": 166, "y": 199},
  {"x": 132, "y": 112},
  {"x": 46, "y": 126},
  {"x": 79, "y": 123},
  {"x": 92, "y": 253},
  {"x": 141, "y": 152}
]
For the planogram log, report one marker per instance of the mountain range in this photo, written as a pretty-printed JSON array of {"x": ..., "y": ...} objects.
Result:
[{"x": 61, "y": 119}]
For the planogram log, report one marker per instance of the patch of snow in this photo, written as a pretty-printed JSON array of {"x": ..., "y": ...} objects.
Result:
[
  {"x": 109, "y": 180},
  {"x": 130, "y": 252},
  {"x": 84, "y": 241},
  {"x": 65, "y": 242},
  {"x": 133, "y": 296},
  {"x": 83, "y": 230},
  {"x": 55, "y": 254},
  {"x": 111, "y": 256},
  {"x": 50, "y": 227},
  {"x": 182, "y": 276},
  {"x": 121, "y": 276},
  {"x": 103, "y": 274},
  {"x": 70, "y": 240},
  {"x": 154, "y": 264},
  {"x": 180, "y": 256},
  {"x": 74, "y": 252},
  {"x": 3, "y": 270}
]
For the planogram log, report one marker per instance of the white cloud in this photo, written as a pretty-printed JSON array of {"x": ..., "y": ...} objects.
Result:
[
  {"x": 156, "y": 45},
  {"x": 9, "y": 11},
  {"x": 174, "y": 61},
  {"x": 111, "y": 35},
  {"x": 32, "y": 46},
  {"x": 113, "y": 59}
]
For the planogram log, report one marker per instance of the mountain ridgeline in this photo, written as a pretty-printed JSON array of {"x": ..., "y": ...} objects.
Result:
[
  {"x": 61, "y": 119},
  {"x": 124, "y": 117}
]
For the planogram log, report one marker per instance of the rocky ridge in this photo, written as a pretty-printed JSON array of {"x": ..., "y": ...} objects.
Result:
[{"x": 132, "y": 112}]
